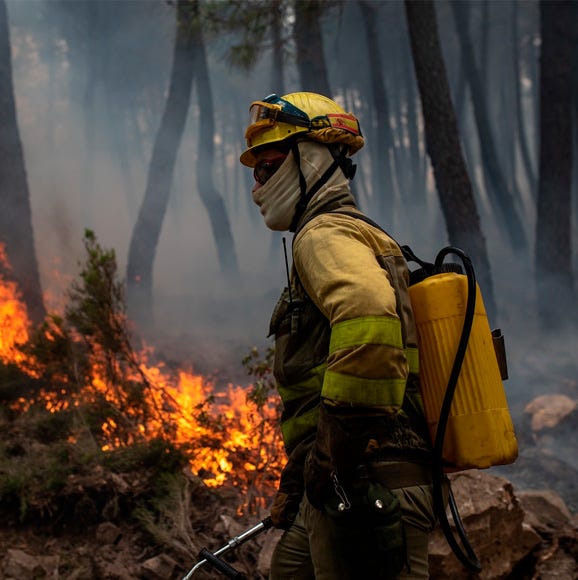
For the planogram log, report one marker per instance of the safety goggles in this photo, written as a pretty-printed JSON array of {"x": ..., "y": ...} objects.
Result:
[
  {"x": 266, "y": 168},
  {"x": 273, "y": 109}
]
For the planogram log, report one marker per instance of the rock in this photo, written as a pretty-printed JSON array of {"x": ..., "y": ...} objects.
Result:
[
  {"x": 548, "y": 411},
  {"x": 558, "y": 565},
  {"x": 157, "y": 568},
  {"x": 545, "y": 510},
  {"x": 18, "y": 564},
  {"x": 107, "y": 533},
  {"x": 494, "y": 522},
  {"x": 538, "y": 468},
  {"x": 558, "y": 554}
]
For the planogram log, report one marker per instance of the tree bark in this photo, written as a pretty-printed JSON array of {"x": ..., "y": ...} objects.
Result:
[
  {"x": 309, "y": 45},
  {"x": 16, "y": 230},
  {"x": 211, "y": 199},
  {"x": 554, "y": 276},
  {"x": 443, "y": 145},
  {"x": 146, "y": 233},
  {"x": 520, "y": 116},
  {"x": 383, "y": 192},
  {"x": 501, "y": 196}
]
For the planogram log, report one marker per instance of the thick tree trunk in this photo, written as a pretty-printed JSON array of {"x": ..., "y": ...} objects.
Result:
[
  {"x": 16, "y": 231},
  {"x": 309, "y": 46},
  {"x": 501, "y": 196},
  {"x": 443, "y": 144},
  {"x": 520, "y": 116},
  {"x": 554, "y": 276},
  {"x": 146, "y": 233},
  {"x": 383, "y": 192},
  {"x": 212, "y": 200}
]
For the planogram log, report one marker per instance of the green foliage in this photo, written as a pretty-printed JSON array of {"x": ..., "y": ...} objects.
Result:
[
  {"x": 30, "y": 477},
  {"x": 97, "y": 305},
  {"x": 86, "y": 411},
  {"x": 249, "y": 23},
  {"x": 261, "y": 369},
  {"x": 157, "y": 455},
  {"x": 57, "y": 431}
]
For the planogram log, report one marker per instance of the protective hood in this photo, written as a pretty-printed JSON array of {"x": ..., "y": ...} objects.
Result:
[{"x": 278, "y": 198}]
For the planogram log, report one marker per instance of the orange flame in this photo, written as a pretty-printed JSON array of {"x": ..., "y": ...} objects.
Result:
[
  {"x": 230, "y": 443},
  {"x": 14, "y": 322}
]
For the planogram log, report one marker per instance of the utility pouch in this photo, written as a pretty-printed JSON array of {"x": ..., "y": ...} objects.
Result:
[{"x": 367, "y": 530}]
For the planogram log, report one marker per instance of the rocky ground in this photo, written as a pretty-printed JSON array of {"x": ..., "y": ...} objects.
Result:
[{"x": 516, "y": 535}]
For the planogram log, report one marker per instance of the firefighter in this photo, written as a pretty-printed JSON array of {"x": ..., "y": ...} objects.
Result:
[{"x": 355, "y": 497}]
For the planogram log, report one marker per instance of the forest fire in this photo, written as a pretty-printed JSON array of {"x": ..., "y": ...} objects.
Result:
[
  {"x": 13, "y": 318},
  {"x": 227, "y": 438}
]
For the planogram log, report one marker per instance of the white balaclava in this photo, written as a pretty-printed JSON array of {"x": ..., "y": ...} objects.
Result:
[{"x": 279, "y": 196}]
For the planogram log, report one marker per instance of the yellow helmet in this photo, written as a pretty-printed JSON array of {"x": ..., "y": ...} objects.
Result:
[{"x": 312, "y": 116}]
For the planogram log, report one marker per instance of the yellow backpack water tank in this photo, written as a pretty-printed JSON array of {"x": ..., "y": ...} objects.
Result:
[{"x": 479, "y": 432}]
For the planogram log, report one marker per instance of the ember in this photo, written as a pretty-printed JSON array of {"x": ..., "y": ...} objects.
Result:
[{"x": 228, "y": 438}]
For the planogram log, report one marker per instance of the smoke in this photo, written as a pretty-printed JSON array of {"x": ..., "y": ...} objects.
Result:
[{"x": 90, "y": 81}]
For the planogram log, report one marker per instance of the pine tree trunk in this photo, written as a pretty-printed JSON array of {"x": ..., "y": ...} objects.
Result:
[
  {"x": 211, "y": 199},
  {"x": 521, "y": 125},
  {"x": 501, "y": 196},
  {"x": 383, "y": 192},
  {"x": 16, "y": 231},
  {"x": 554, "y": 276},
  {"x": 443, "y": 144},
  {"x": 309, "y": 46},
  {"x": 146, "y": 233}
]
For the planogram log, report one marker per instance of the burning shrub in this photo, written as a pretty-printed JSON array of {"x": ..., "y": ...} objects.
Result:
[{"x": 92, "y": 399}]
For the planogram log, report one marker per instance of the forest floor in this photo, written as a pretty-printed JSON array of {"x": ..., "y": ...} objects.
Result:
[{"x": 132, "y": 519}]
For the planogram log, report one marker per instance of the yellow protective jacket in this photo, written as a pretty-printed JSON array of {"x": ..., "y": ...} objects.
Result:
[{"x": 345, "y": 335}]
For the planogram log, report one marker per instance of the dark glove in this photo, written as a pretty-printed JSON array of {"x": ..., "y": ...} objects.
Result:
[
  {"x": 284, "y": 510},
  {"x": 341, "y": 440},
  {"x": 291, "y": 488}
]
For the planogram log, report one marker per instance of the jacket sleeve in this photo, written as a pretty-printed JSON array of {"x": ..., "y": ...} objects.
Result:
[{"x": 367, "y": 364}]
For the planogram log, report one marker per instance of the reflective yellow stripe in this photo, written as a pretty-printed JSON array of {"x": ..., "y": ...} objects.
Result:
[
  {"x": 366, "y": 330},
  {"x": 359, "y": 391},
  {"x": 312, "y": 384},
  {"x": 295, "y": 429},
  {"x": 412, "y": 355}
]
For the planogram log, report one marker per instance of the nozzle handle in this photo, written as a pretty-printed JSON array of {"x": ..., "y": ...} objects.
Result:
[{"x": 221, "y": 565}]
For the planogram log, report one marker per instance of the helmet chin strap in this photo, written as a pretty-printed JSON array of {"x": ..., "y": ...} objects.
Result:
[{"x": 340, "y": 160}]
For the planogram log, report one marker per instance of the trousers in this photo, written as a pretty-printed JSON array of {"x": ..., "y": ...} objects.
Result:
[{"x": 305, "y": 550}]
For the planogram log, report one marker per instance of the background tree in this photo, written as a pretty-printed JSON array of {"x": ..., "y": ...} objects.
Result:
[
  {"x": 443, "y": 143},
  {"x": 501, "y": 195},
  {"x": 188, "y": 55},
  {"x": 554, "y": 275},
  {"x": 16, "y": 230},
  {"x": 309, "y": 46},
  {"x": 146, "y": 232},
  {"x": 212, "y": 201},
  {"x": 382, "y": 170}
]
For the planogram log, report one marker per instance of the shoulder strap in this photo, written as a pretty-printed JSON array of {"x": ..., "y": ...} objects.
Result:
[{"x": 406, "y": 250}]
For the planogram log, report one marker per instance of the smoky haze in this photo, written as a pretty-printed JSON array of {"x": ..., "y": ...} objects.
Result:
[{"x": 91, "y": 80}]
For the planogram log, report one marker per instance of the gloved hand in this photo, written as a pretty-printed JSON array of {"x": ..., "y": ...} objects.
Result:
[
  {"x": 341, "y": 440},
  {"x": 284, "y": 510},
  {"x": 291, "y": 488},
  {"x": 317, "y": 475}
]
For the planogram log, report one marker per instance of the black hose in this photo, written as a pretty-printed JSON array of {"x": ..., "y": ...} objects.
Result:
[{"x": 466, "y": 556}]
